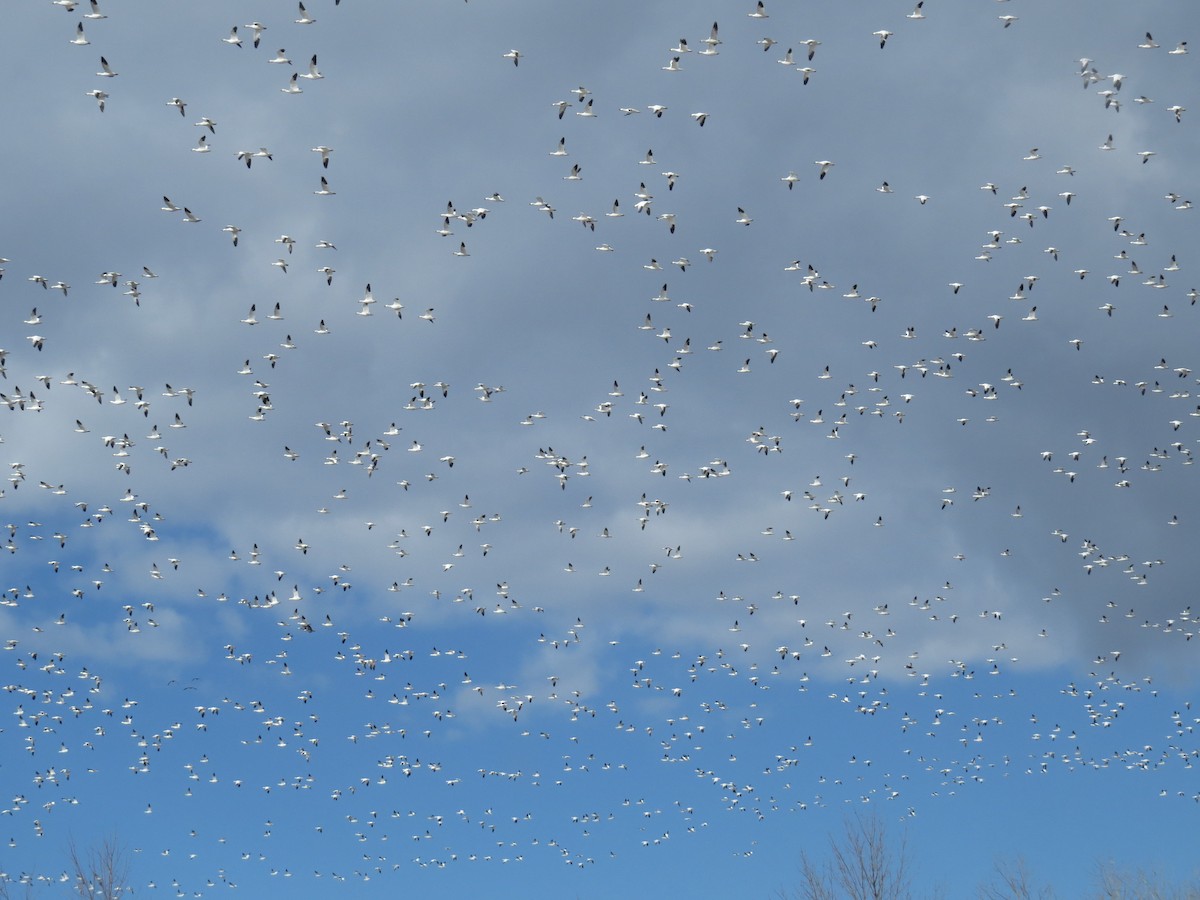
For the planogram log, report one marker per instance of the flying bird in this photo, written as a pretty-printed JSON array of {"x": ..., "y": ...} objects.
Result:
[
  {"x": 313, "y": 72},
  {"x": 258, "y": 28}
]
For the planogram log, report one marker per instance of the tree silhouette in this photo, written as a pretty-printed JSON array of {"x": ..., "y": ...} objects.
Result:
[
  {"x": 863, "y": 863},
  {"x": 101, "y": 872}
]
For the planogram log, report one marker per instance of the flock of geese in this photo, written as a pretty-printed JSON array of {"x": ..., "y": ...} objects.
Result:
[{"x": 681, "y": 564}]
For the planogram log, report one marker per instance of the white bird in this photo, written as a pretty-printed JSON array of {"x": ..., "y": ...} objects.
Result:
[
  {"x": 233, "y": 37},
  {"x": 100, "y": 97},
  {"x": 324, "y": 190},
  {"x": 324, "y": 151},
  {"x": 202, "y": 145},
  {"x": 515, "y": 56},
  {"x": 883, "y": 35},
  {"x": 95, "y": 13},
  {"x": 106, "y": 70},
  {"x": 258, "y": 29},
  {"x": 178, "y": 104},
  {"x": 759, "y": 12},
  {"x": 280, "y": 58},
  {"x": 233, "y": 231},
  {"x": 825, "y": 166},
  {"x": 305, "y": 18},
  {"x": 80, "y": 38},
  {"x": 293, "y": 87},
  {"x": 313, "y": 72}
]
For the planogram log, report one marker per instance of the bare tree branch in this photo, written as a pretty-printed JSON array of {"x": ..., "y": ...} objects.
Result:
[
  {"x": 1014, "y": 882},
  {"x": 102, "y": 873},
  {"x": 862, "y": 865}
]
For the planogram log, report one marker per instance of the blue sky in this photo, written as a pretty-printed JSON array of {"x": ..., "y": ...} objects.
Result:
[{"x": 622, "y": 568}]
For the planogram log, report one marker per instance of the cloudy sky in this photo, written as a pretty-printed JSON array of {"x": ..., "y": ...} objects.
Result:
[{"x": 548, "y": 496}]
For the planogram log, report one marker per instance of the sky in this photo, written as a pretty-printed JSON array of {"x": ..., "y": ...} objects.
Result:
[{"x": 452, "y": 518}]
